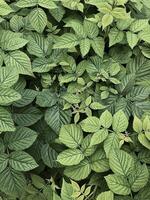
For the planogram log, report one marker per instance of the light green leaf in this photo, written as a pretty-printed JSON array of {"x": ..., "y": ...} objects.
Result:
[
  {"x": 118, "y": 184},
  {"x": 132, "y": 39},
  {"x": 120, "y": 13},
  {"x": 90, "y": 29},
  {"x": 71, "y": 135},
  {"x": 115, "y": 36},
  {"x": 22, "y": 161},
  {"x": 71, "y": 98},
  {"x": 90, "y": 124},
  {"x": 121, "y": 162},
  {"x": 98, "y": 46},
  {"x": 84, "y": 46},
  {"x": 99, "y": 162},
  {"x": 68, "y": 40},
  {"x": 110, "y": 143},
  {"x": 66, "y": 191},
  {"x": 20, "y": 61},
  {"x": 47, "y": 4},
  {"x": 85, "y": 146},
  {"x": 26, "y": 3},
  {"x": 120, "y": 122},
  {"x": 107, "y": 20},
  {"x": 21, "y": 139},
  {"x": 138, "y": 25},
  {"x": 145, "y": 34},
  {"x": 78, "y": 172},
  {"x": 105, "y": 195},
  {"x": 16, "y": 23},
  {"x": 144, "y": 141},
  {"x": 5, "y": 9},
  {"x": 6, "y": 122},
  {"x": 8, "y": 95},
  {"x": 70, "y": 157},
  {"x": 139, "y": 177},
  {"x": 38, "y": 19},
  {"x": 137, "y": 124},
  {"x": 99, "y": 137},
  {"x": 106, "y": 119}
]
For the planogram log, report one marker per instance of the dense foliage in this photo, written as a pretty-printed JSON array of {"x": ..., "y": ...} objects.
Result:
[{"x": 74, "y": 99}]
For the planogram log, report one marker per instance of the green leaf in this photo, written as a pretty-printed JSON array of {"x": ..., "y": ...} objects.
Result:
[
  {"x": 20, "y": 61},
  {"x": 8, "y": 77},
  {"x": 21, "y": 139},
  {"x": 105, "y": 195},
  {"x": 120, "y": 122},
  {"x": 70, "y": 157},
  {"x": 56, "y": 117},
  {"x": 49, "y": 156},
  {"x": 38, "y": 19},
  {"x": 84, "y": 46},
  {"x": 90, "y": 124},
  {"x": 106, "y": 119},
  {"x": 132, "y": 39},
  {"x": 78, "y": 172},
  {"x": 139, "y": 177},
  {"x": 41, "y": 65},
  {"x": 22, "y": 161},
  {"x": 99, "y": 162},
  {"x": 107, "y": 20},
  {"x": 121, "y": 162},
  {"x": 46, "y": 98},
  {"x": 71, "y": 135},
  {"x": 118, "y": 184},
  {"x": 37, "y": 45},
  {"x": 6, "y": 122},
  {"x": 5, "y": 9},
  {"x": 68, "y": 40},
  {"x": 10, "y": 41},
  {"x": 115, "y": 36},
  {"x": 3, "y": 161},
  {"x": 99, "y": 137},
  {"x": 37, "y": 181},
  {"x": 98, "y": 46},
  {"x": 27, "y": 97},
  {"x": 27, "y": 116},
  {"x": 8, "y": 95},
  {"x": 12, "y": 182}
]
